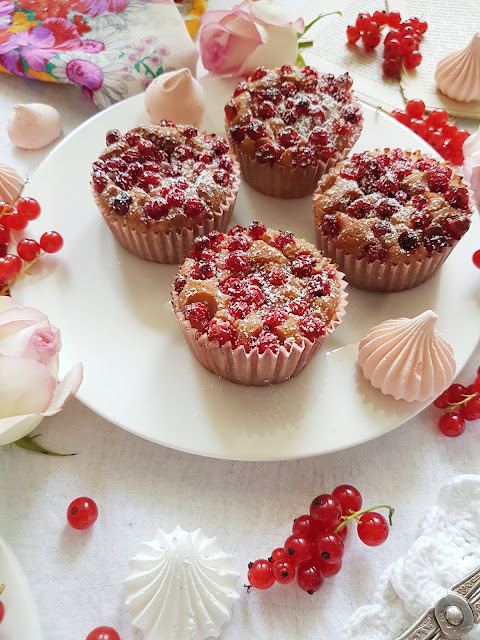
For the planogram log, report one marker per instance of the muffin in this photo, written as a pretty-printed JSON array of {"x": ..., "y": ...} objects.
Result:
[
  {"x": 255, "y": 305},
  {"x": 390, "y": 218},
  {"x": 159, "y": 187},
  {"x": 289, "y": 126}
]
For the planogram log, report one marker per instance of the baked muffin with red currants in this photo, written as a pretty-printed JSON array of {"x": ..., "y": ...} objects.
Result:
[
  {"x": 289, "y": 126},
  {"x": 390, "y": 218},
  {"x": 255, "y": 304},
  {"x": 159, "y": 187}
]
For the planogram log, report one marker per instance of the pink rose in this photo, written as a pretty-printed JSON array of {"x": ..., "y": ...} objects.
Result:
[
  {"x": 251, "y": 35},
  {"x": 29, "y": 390}
]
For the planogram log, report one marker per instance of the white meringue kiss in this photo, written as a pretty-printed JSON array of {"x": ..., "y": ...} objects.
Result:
[
  {"x": 33, "y": 126},
  {"x": 175, "y": 96}
]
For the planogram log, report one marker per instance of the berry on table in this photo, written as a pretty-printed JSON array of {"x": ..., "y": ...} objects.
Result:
[
  {"x": 284, "y": 571},
  {"x": 476, "y": 258},
  {"x": 451, "y": 424},
  {"x": 82, "y": 513},
  {"x": 298, "y": 549},
  {"x": 309, "y": 577},
  {"x": 29, "y": 207},
  {"x": 372, "y": 529},
  {"x": 326, "y": 510},
  {"x": 2, "y": 611},
  {"x": 28, "y": 249},
  {"x": 103, "y": 633},
  {"x": 260, "y": 574},
  {"x": 353, "y": 35},
  {"x": 349, "y": 498}
]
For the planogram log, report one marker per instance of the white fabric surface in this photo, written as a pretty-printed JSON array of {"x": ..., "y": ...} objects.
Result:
[
  {"x": 76, "y": 577},
  {"x": 447, "y": 549}
]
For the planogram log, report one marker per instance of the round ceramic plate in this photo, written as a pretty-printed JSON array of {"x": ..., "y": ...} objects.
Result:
[{"x": 115, "y": 316}]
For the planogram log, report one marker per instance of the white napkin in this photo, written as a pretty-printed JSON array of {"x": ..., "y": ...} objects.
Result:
[{"x": 448, "y": 548}]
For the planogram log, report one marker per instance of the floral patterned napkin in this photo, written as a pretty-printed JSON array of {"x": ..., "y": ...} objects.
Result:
[{"x": 110, "y": 48}]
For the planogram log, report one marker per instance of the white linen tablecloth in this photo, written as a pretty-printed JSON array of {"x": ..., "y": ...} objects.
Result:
[{"x": 76, "y": 577}]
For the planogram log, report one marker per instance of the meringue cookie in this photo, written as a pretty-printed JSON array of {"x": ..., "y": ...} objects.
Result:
[
  {"x": 11, "y": 184},
  {"x": 457, "y": 74},
  {"x": 33, "y": 126},
  {"x": 175, "y": 96},
  {"x": 180, "y": 585},
  {"x": 407, "y": 358}
]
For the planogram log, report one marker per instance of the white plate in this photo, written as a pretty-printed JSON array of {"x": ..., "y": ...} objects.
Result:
[
  {"x": 114, "y": 313},
  {"x": 21, "y": 620}
]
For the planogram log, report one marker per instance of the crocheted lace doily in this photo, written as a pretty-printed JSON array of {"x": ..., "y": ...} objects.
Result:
[{"x": 447, "y": 549}]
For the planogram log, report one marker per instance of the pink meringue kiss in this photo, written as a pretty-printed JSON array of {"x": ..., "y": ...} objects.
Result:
[
  {"x": 457, "y": 75},
  {"x": 33, "y": 126},
  {"x": 407, "y": 358},
  {"x": 11, "y": 184},
  {"x": 175, "y": 96}
]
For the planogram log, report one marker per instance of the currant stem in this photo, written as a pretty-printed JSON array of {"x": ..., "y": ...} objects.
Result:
[
  {"x": 453, "y": 405},
  {"x": 356, "y": 514},
  {"x": 379, "y": 108},
  {"x": 2, "y": 588},
  {"x": 322, "y": 15},
  {"x": 19, "y": 274}
]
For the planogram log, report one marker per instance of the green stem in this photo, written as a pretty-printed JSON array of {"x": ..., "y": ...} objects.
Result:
[
  {"x": 322, "y": 15},
  {"x": 453, "y": 405},
  {"x": 355, "y": 515},
  {"x": 379, "y": 108},
  {"x": 305, "y": 43},
  {"x": 19, "y": 274}
]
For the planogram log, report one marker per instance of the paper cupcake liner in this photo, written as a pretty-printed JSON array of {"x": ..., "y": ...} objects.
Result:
[
  {"x": 381, "y": 276},
  {"x": 172, "y": 247},
  {"x": 255, "y": 369}
]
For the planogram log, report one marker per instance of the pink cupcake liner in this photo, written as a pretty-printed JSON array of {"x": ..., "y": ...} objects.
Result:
[
  {"x": 380, "y": 276},
  {"x": 255, "y": 369},
  {"x": 287, "y": 182},
  {"x": 172, "y": 247}
]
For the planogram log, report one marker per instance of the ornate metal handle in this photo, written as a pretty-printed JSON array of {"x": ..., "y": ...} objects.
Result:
[{"x": 453, "y": 616}]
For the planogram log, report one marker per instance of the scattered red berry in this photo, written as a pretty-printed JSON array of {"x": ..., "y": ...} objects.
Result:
[
  {"x": 451, "y": 425},
  {"x": 349, "y": 498},
  {"x": 28, "y": 249},
  {"x": 459, "y": 404},
  {"x": 2, "y": 611},
  {"x": 103, "y": 633},
  {"x": 309, "y": 578},
  {"x": 326, "y": 510},
  {"x": 284, "y": 571},
  {"x": 10, "y": 265},
  {"x": 82, "y": 513},
  {"x": 476, "y": 258}
]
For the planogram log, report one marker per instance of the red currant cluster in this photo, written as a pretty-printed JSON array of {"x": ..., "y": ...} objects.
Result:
[
  {"x": 435, "y": 128},
  {"x": 459, "y": 404},
  {"x": 401, "y": 43},
  {"x": 314, "y": 551},
  {"x": 16, "y": 218}
]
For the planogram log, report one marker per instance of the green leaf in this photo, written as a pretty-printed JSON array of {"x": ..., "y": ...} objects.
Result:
[
  {"x": 159, "y": 72},
  {"x": 29, "y": 443},
  {"x": 322, "y": 15},
  {"x": 300, "y": 61},
  {"x": 305, "y": 44}
]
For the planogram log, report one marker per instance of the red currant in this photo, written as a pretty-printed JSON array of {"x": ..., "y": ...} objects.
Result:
[
  {"x": 29, "y": 207},
  {"x": 51, "y": 242},
  {"x": 353, "y": 35},
  {"x": 82, "y": 513},
  {"x": 393, "y": 19},
  {"x": 471, "y": 409},
  {"x": 28, "y": 249},
  {"x": 476, "y": 384},
  {"x": 372, "y": 529},
  {"x": 2, "y": 611},
  {"x": 284, "y": 571},
  {"x": 349, "y": 498},
  {"x": 329, "y": 546},
  {"x": 380, "y": 17},
  {"x": 4, "y": 234},
  {"x": 309, "y": 577},
  {"x": 326, "y": 510},
  {"x": 391, "y": 68},
  {"x": 437, "y": 118},
  {"x": 476, "y": 258},
  {"x": 10, "y": 265},
  {"x": 331, "y": 568},
  {"x": 278, "y": 554},
  {"x": 412, "y": 60},
  {"x": 103, "y": 633},
  {"x": 451, "y": 425},
  {"x": 363, "y": 21},
  {"x": 260, "y": 574},
  {"x": 298, "y": 549},
  {"x": 16, "y": 221},
  {"x": 304, "y": 527},
  {"x": 456, "y": 392}
]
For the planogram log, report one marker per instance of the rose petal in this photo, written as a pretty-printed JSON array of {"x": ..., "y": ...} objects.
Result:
[
  {"x": 37, "y": 341},
  {"x": 280, "y": 47},
  {"x": 270, "y": 13},
  {"x": 25, "y": 387},
  {"x": 214, "y": 16},
  {"x": 17, "y": 427},
  {"x": 66, "y": 389},
  {"x": 222, "y": 51},
  {"x": 7, "y": 303}
]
